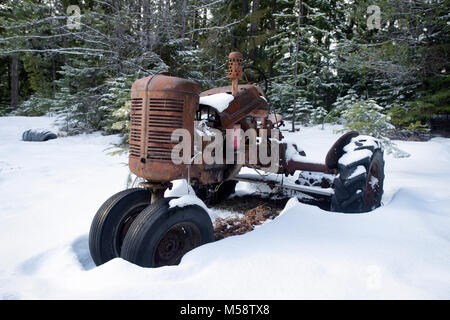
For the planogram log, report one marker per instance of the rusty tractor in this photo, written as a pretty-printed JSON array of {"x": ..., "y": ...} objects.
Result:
[{"x": 140, "y": 224}]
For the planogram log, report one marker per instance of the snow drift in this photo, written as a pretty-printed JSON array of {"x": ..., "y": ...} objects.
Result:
[{"x": 50, "y": 192}]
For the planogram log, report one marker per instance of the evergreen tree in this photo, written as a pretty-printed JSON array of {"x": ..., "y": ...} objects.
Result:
[
  {"x": 396, "y": 63},
  {"x": 316, "y": 54},
  {"x": 303, "y": 48}
]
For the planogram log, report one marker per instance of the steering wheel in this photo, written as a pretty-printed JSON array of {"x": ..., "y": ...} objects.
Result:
[{"x": 256, "y": 76}]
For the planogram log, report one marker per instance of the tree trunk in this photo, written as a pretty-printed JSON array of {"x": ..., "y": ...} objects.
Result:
[
  {"x": 244, "y": 8},
  {"x": 14, "y": 82},
  {"x": 300, "y": 23},
  {"x": 183, "y": 18},
  {"x": 255, "y": 20},
  {"x": 54, "y": 76},
  {"x": 271, "y": 42},
  {"x": 242, "y": 30},
  {"x": 254, "y": 26}
]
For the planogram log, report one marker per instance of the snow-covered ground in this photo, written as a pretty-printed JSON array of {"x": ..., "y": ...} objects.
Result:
[{"x": 50, "y": 191}]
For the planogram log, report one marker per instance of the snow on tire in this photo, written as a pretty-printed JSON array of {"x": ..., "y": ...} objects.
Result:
[{"x": 358, "y": 186}]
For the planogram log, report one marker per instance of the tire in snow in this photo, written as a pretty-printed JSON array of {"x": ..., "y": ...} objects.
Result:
[
  {"x": 35, "y": 135},
  {"x": 112, "y": 221},
  {"x": 359, "y": 184},
  {"x": 161, "y": 235}
]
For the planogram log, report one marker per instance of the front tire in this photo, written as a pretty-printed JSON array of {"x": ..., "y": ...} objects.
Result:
[
  {"x": 111, "y": 223},
  {"x": 161, "y": 235},
  {"x": 359, "y": 185}
]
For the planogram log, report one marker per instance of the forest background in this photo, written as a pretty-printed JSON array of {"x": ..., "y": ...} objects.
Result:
[{"x": 380, "y": 67}]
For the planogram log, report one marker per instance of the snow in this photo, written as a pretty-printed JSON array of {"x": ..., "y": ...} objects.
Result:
[
  {"x": 179, "y": 188},
  {"x": 218, "y": 101},
  {"x": 358, "y": 171},
  {"x": 49, "y": 192},
  {"x": 373, "y": 181},
  {"x": 293, "y": 155},
  {"x": 186, "y": 194},
  {"x": 355, "y": 156},
  {"x": 361, "y": 141},
  {"x": 187, "y": 200},
  {"x": 287, "y": 182},
  {"x": 203, "y": 129}
]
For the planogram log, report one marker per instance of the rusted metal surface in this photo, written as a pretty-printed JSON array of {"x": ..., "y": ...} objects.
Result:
[
  {"x": 157, "y": 189},
  {"x": 337, "y": 149},
  {"x": 372, "y": 190},
  {"x": 293, "y": 166},
  {"x": 244, "y": 102},
  {"x": 235, "y": 70},
  {"x": 331, "y": 161},
  {"x": 175, "y": 243},
  {"x": 161, "y": 104},
  {"x": 235, "y": 65},
  {"x": 288, "y": 167},
  {"x": 259, "y": 113}
]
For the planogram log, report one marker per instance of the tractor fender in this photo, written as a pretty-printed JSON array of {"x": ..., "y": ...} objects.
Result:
[{"x": 337, "y": 150}]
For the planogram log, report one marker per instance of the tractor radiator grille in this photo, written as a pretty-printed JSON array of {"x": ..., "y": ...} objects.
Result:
[
  {"x": 165, "y": 116},
  {"x": 137, "y": 116}
]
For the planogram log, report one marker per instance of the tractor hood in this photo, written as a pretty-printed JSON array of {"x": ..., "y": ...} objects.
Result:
[{"x": 163, "y": 82}]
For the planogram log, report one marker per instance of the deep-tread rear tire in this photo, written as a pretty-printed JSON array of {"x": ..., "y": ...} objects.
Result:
[
  {"x": 112, "y": 221},
  {"x": 161, "y": 235},
  {"x": 359, "y": 185}
]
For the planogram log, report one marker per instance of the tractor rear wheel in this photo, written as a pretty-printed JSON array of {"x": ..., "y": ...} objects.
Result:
[
  {"x": 161, "y": 235},
  {"x": 359, "y": 184},
  {"x": 112, "y": 221}
]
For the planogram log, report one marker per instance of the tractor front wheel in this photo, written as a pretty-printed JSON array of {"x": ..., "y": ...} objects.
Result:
[
  {"x": 112, "y": 221},
  {"x": 161, "y": 235}
]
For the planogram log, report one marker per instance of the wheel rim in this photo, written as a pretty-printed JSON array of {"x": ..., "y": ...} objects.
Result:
[
  {"x": 175, "y": 243},
  {"x": 373, "y": 188},
  {"x": 124, "y": 226}
]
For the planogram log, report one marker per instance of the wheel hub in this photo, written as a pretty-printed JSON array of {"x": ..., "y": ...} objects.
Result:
[
  {"x": 170, "y": 245},
  {"x": 178, "y": 240}
]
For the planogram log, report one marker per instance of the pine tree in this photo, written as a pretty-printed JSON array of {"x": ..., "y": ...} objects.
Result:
[
  {"x": 77, "y": 102},
  {"x": 395, "y": 63},
  {"x": 304, "y": 57}
]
